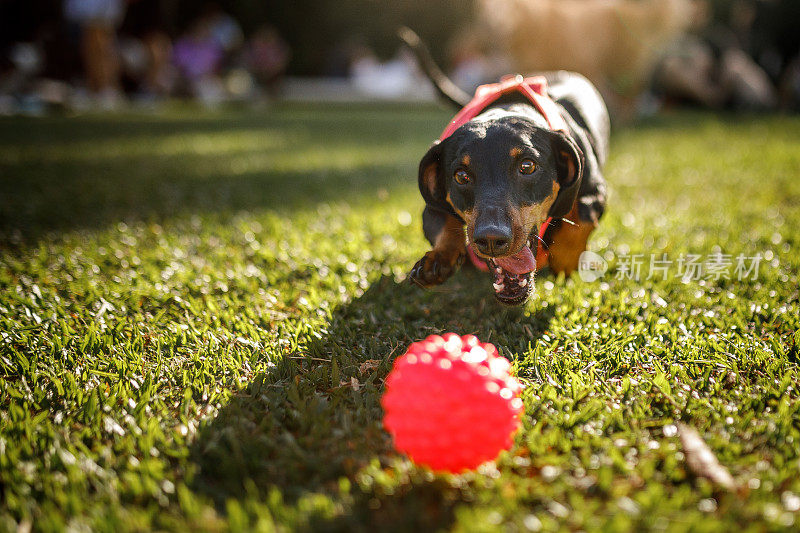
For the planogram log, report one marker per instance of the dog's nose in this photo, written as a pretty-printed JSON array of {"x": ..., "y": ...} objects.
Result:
[{"x": 492, "y": 240}]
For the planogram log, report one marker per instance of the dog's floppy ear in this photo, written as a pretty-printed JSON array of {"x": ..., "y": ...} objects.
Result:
[
  {"x": 431, "y": 180},
  {"x": 569, "y": 165}
]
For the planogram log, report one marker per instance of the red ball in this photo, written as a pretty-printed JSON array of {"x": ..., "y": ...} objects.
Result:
[{"x": 451, "y": 404}]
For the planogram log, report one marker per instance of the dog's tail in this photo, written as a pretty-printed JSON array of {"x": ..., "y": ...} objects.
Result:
[{"x": 444, "y": 85}]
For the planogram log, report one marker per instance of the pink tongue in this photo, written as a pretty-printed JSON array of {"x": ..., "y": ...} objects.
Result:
[{"x": 521, "y": 262}]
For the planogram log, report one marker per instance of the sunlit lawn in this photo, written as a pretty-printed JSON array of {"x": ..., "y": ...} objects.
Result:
[{"x": 187, "y": 298}]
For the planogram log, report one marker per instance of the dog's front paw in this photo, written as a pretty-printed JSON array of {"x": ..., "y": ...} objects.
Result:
[{"x": 435, "y": 267}]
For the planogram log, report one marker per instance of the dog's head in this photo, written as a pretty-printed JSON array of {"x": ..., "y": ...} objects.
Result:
[{"x": 504, "y": 175}]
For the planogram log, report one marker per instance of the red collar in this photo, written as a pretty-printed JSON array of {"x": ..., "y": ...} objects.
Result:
[{"x": 535, "y": 90}]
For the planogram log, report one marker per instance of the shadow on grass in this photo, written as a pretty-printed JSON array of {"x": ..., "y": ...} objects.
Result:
[
  {"x": 344, "y": 119},
  {"x": 303, "y": 427},
  {"x": 104, "y": 197},
  {"x": 60, "y": 174}
]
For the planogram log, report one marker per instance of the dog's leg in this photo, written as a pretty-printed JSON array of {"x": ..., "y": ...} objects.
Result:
[
  {"x": 446, "y": 235},
  {"x": 569, "y": 242}
]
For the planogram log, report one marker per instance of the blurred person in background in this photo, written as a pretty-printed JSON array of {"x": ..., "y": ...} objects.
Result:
[
  {"x": 224, "y": 29},
  {"x": 741, "y": 61},
  {"x": 471, "y": 65},
  {"x": 198, "y": 57},
  {"x": 207, "y": 53},
  {"x": 398, "y": 77},
  {"x": 39, "y": 57},
  {"x": 98, "y": 21},
  {"x": 146, "y": 51},
  {"x": 266, "y": 56},
  {"x": 698, "y": 72},
  {"x": 775, "y": 44}
]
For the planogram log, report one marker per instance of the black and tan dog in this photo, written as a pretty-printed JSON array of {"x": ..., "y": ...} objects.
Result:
[{"x": 515, "y": 180}]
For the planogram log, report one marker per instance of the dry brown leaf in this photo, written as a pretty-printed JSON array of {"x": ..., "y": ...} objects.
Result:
[
  {"x": 352, "y": 383},
  {"x": 368, "y": 366},
  {"x": 701, "y": 460}
]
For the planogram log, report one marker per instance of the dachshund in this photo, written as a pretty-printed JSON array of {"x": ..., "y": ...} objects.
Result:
[{"x": 514, "y": 182}]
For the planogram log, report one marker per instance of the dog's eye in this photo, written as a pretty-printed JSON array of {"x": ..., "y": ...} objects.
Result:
[
  {"x": 462, "y": 177},
  {"x": 527, "y": 166}
]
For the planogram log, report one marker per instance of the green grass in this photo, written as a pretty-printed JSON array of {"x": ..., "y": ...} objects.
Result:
[{"x": 186, "y": 298}]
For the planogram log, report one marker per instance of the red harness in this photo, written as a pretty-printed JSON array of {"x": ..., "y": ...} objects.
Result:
[{"x": 535, "y": 90}]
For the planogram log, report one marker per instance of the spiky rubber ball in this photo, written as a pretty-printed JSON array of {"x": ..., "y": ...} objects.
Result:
[{"x": 451, "y": 404}]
